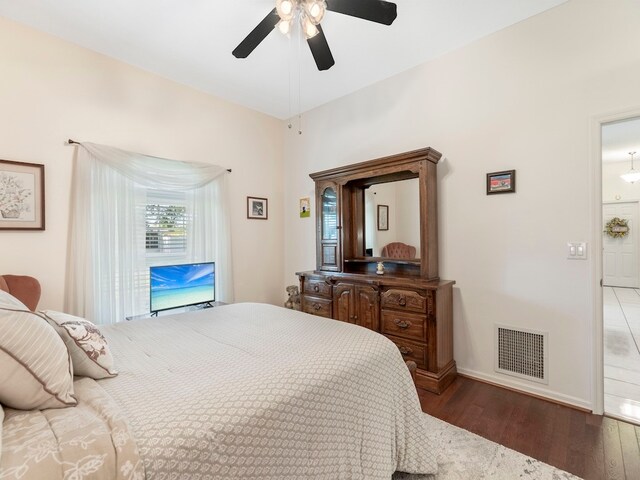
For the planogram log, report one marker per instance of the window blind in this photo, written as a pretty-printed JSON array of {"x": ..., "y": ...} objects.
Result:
[{"x": 166, "y": 223}]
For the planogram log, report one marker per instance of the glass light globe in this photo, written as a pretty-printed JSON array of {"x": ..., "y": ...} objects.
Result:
[
  {"x": 284, "y": 26},
  {"x": 285, "y": 8},
  {"x": 315, "y": 9},
  {"x": 631, "y": 176},
  {"x": 310, "y": 30}
]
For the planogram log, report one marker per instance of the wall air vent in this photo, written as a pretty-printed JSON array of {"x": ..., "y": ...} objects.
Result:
[{"x": 521, "y": 353}]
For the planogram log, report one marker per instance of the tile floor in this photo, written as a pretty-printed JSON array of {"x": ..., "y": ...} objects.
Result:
[{"x": 622, "y": 353}]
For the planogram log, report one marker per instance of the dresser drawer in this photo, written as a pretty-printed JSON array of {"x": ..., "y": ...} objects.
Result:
[
  {"x": 411, "y": 350},
  {"x": 403, "y": 324},
  {"x": 317, "y": 288},
  {"x": 317, "y": 306},
  {"x": 406, "y": 300}
]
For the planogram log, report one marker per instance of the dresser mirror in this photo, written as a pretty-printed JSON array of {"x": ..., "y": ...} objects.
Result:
[
  {"x": 380, "y": 210},
  {"x": 392, "y": 231}
]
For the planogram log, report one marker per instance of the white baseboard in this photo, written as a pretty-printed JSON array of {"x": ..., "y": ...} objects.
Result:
[{"x": 525, "y": 388}]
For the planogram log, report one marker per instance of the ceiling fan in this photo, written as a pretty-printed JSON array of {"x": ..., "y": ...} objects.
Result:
[{"x": 310, "y": 13}]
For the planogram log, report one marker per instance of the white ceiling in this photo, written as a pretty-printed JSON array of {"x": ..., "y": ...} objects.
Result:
[
  {"x": 190, "y": 41},
  {"x": 620, "y": 138}
]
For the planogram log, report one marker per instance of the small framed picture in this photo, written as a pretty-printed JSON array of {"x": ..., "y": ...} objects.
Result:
[
  {"x": 21, "y": 196},
  {"x": 383, "y": 217},
  {"x": 501, "y": 182},
  {"x": 257, "y": 208},
  {"x": 305, "y": 207}
]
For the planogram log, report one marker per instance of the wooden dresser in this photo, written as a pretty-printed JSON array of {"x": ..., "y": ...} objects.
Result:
[
  {"x": 409, "y": 304},
  {"x": 414, "y": 314}
]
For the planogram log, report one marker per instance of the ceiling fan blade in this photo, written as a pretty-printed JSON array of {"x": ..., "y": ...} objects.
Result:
[
  {"x": 257, "y": 35},
  {"x": 321, "y": 51},
  {"x": 373, "y": 10}
]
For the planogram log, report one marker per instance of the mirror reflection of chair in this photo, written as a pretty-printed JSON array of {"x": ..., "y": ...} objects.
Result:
[{"x": 398, "y": 250}]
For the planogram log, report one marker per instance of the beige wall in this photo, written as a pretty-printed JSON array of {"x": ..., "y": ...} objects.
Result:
[
  {"x": 403, "y": 200},
  {"x": 51, "y": 90},
  {"x": 522, "y": 98},
  {"x": 408, "y": 213}
]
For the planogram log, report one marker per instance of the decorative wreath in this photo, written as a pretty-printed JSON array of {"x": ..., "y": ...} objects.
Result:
[{"x": 617, "y": 228}]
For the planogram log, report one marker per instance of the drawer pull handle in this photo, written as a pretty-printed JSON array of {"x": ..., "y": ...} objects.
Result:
[
  {"x": 317, "y": 306},
  {"x": 402, "y": 323},
  {"x": 402, "y": 302},
  {"x": 316, "y": 288},
  {"x": 405, "y": 350}
]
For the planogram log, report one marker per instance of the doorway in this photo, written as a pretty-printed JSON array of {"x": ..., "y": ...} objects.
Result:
[
  {"x": 621, "y": 270},
  {"x": 620, "y": 249}
]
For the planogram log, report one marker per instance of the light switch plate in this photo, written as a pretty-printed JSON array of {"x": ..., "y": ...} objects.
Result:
[{"x": 577, "y": 250}]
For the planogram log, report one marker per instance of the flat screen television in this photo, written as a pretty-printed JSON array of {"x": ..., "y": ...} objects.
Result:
[{"x": 174, "y": 286}]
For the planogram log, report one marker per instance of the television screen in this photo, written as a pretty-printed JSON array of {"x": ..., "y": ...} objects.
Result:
[{"x": 174, "y": 286}]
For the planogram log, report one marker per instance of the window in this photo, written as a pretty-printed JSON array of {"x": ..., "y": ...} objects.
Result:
[
  {"x": 167, "y": 224},
  {"x": 166, "y": 228},
  {"x": 131, "y": 212}
]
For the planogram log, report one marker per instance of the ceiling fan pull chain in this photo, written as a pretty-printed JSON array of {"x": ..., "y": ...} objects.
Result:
[
  {"x": 290, "y": 61},
  {"x": 300, "y": 33}
]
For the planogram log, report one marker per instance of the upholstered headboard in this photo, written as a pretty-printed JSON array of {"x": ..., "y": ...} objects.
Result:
[{"x": 24, "y": 288}]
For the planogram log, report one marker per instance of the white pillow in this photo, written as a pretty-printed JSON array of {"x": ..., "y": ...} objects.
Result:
[
  {"x": 35, "y": 366},
  {"x": 9, "y": 301},
  {"x": 88, "y": 348}
]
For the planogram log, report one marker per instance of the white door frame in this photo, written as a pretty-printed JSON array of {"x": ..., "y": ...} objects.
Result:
[{"x": 595, "y": 264}]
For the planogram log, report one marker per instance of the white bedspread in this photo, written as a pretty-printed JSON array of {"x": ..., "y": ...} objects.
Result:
[{"x": 252, "y": 391}]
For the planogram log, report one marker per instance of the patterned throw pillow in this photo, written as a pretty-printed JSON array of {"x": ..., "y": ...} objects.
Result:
[
  {"x": 88, "y": 348},
  {"x": 35, "y": 366}
]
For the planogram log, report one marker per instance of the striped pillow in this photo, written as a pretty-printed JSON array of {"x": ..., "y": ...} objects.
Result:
[
  {"x": 35, "y": 366},
  {"x": 88, "y": 348}
]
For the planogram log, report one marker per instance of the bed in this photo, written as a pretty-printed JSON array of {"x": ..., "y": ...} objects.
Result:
[{"x": 243, "y": 391}]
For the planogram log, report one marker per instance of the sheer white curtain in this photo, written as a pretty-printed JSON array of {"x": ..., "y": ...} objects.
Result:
[{"x": 107, "y": 274}]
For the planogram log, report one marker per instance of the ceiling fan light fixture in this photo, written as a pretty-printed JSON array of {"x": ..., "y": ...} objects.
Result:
[
  {"x": 309, "y": 28},
  {"x": 284, "y": 26},
  {"x": 315, "y": 10},
  {"x": 307, "y": 15},
  {"x": 285, "y": 9},
  {"x": 632, "y": 175}
]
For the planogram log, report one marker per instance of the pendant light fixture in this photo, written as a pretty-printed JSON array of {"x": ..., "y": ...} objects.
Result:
[{"x": 632, "y": 175}]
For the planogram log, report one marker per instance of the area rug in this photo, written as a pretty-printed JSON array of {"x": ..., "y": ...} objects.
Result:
[{"x": 463, "y": 455}]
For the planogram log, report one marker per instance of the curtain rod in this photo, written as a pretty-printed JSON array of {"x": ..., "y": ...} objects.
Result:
[{"x": 72, "y": 142}]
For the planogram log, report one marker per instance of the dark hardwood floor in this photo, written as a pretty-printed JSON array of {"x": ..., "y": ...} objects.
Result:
[{"x": 590, "y": 446}]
